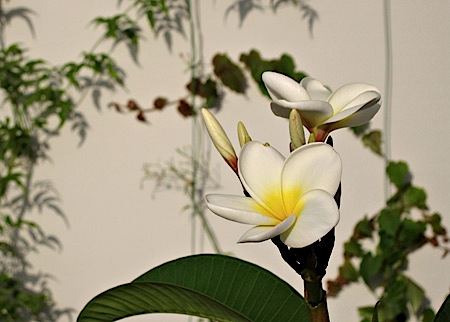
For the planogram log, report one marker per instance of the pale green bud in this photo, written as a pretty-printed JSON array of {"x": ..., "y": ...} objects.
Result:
[
  {"x": 243, "y": 134},
  {"x": 296, "y": 131},
  {"x": 220, "y": 139}
]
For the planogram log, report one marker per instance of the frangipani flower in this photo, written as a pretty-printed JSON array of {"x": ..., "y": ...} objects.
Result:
[
  {"x": 290, "y": 197},
  {"x": 322, "y": 111}
]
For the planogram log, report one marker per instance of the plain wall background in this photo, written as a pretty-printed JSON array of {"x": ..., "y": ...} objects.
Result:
[{"x": 118, "y": 230}]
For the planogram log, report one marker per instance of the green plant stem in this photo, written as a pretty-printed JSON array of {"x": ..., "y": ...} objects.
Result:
[
  {"x": 209, "y": 232},
  {"x": 316, "y": 299},
  {"x": 387, "y": 93},
  {"x": 2, "y": 26}
]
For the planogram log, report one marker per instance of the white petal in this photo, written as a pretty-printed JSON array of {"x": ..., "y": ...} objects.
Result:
[
  {"x": 315, "y": 89},
  {"x": 313, "y": 113},
  {"x": 360, "y": 117},
  {"x": 260, "y": 172},
  {"x": 319, "y": 215},
  {"x": 365, "y": 99},
  {"x": 312, "y": 166},
  {"x": 280, "y": 86},
  {"x": 262, "y": 233},
  {"x": 238, "y": 208},
  {"x": 356, "y": 92}
]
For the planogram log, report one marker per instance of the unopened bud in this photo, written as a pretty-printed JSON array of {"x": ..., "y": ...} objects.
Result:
[
  {"x": 185, "y": 109},
  {"x": 296, "y": 131},
  {"x": 243, "y": 134},
  {"x": 132, "y": 105},
  {"x": 220, "y": 139},
  {"x": 159, "y": 103}
]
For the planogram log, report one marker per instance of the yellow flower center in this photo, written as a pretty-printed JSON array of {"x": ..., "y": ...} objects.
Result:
[{"x": 282, "y": 205}]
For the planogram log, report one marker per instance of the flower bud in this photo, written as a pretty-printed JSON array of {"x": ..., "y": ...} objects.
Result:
[
  {"x": 243, "y": 134},
  {"x": 220, "y": 139},
  {"x": 296, "y": 130}
]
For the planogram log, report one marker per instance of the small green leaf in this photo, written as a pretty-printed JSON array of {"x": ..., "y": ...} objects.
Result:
[
  {"x": 370, "y": 266},
  {"x": 389, "y": 221},
  {"x": 364, "y": 228},
  {"x": 373, "y": 141},
  {"x": 366, "y": 313},
  {"x": 360, "y": 129},
  {"x": 151, "y": 19},
  {"x": 435, "y": 220},
  {"x": 415, "y": 197},
  {"x": 415, "y": 295},
  {"x": 393, "y": 303},
  {"x": 398, "y": 173},
  {"x": 411, "y": 232},
  {"x": 229, "y": 73},
  {"x": 353, "y": 248},
  {"x": 257, "y": 66},
  {"x": 217, "y": 287},
  {"x": 348, "y": 271},
  {"x": 428, "y": 315},
  {"x": 443, "y": 315}
]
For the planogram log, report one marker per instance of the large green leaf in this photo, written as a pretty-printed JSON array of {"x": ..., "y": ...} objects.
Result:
[
  {"x": 217, "y": 287},
  {"x": 443, "y": 315}
]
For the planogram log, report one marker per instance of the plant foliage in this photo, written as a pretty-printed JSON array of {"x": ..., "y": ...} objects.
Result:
[{"x": 216, "y": 287}]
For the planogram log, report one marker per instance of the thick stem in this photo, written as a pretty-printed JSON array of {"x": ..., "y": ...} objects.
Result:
[
  {"x": 319, "y": 313},
  {"x": 310, "y": 263},
  {"x": 316, "y": 299}
]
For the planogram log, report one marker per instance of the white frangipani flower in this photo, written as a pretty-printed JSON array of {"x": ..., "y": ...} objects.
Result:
[
  {"x": 292, "y": 197},
  {"x": 322, "y": 111}
]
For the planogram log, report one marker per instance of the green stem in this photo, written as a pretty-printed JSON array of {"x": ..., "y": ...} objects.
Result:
[
  {"x": 387, "y": 93},
  {"x": 316, "y": 299},
  {"x": 2, "y": 26},
  {"x": 209, "y": 232}
]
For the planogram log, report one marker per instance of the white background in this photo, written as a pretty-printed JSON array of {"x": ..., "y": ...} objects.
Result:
[{"x": 118, "y": 230}]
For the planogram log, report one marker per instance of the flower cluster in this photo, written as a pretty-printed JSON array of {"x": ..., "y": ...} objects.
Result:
[
  {"x": 321, "y": 110},
  {"x": 292, "y": 197}
]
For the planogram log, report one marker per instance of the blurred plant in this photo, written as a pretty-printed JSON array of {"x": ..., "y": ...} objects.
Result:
[
  {"x": 34, "y": 109},
  {"x": 38, "y": 100},
  {"x": 378, "y": 251}
]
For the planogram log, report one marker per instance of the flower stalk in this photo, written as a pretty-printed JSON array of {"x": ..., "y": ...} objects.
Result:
[{"x": 310, "y": 263}]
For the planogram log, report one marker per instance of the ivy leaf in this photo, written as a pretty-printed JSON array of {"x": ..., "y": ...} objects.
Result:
[
  {"x": 360, "y": 129},
  {"x": 229, "y": 73},
  {"x": 348, "y": 271},
  {"x": 366, "y": 313},
  {"x": 373, "y": 141},
  {"x": 415, "y": 197},
  {"x": 398, "y": 173},
  {"x": 353, "y": 248},
  {"x": 415, "y": 295},
  {"x": 370, "y": 266},
  {"x": 257, "y": 66},
  {"x": 389, "y": 221},
  {"x": 207, "y": 89},
  {"x": 364, "y": 228},
  {"x": 217, "y": 287},
  {"x": 393, "y": 304},
  {"x": 435, "y": 220},
  {"x": 411, "y": 232}
]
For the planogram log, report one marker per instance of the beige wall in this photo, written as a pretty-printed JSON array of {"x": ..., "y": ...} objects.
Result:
[{"x": 117, "y": 230}]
